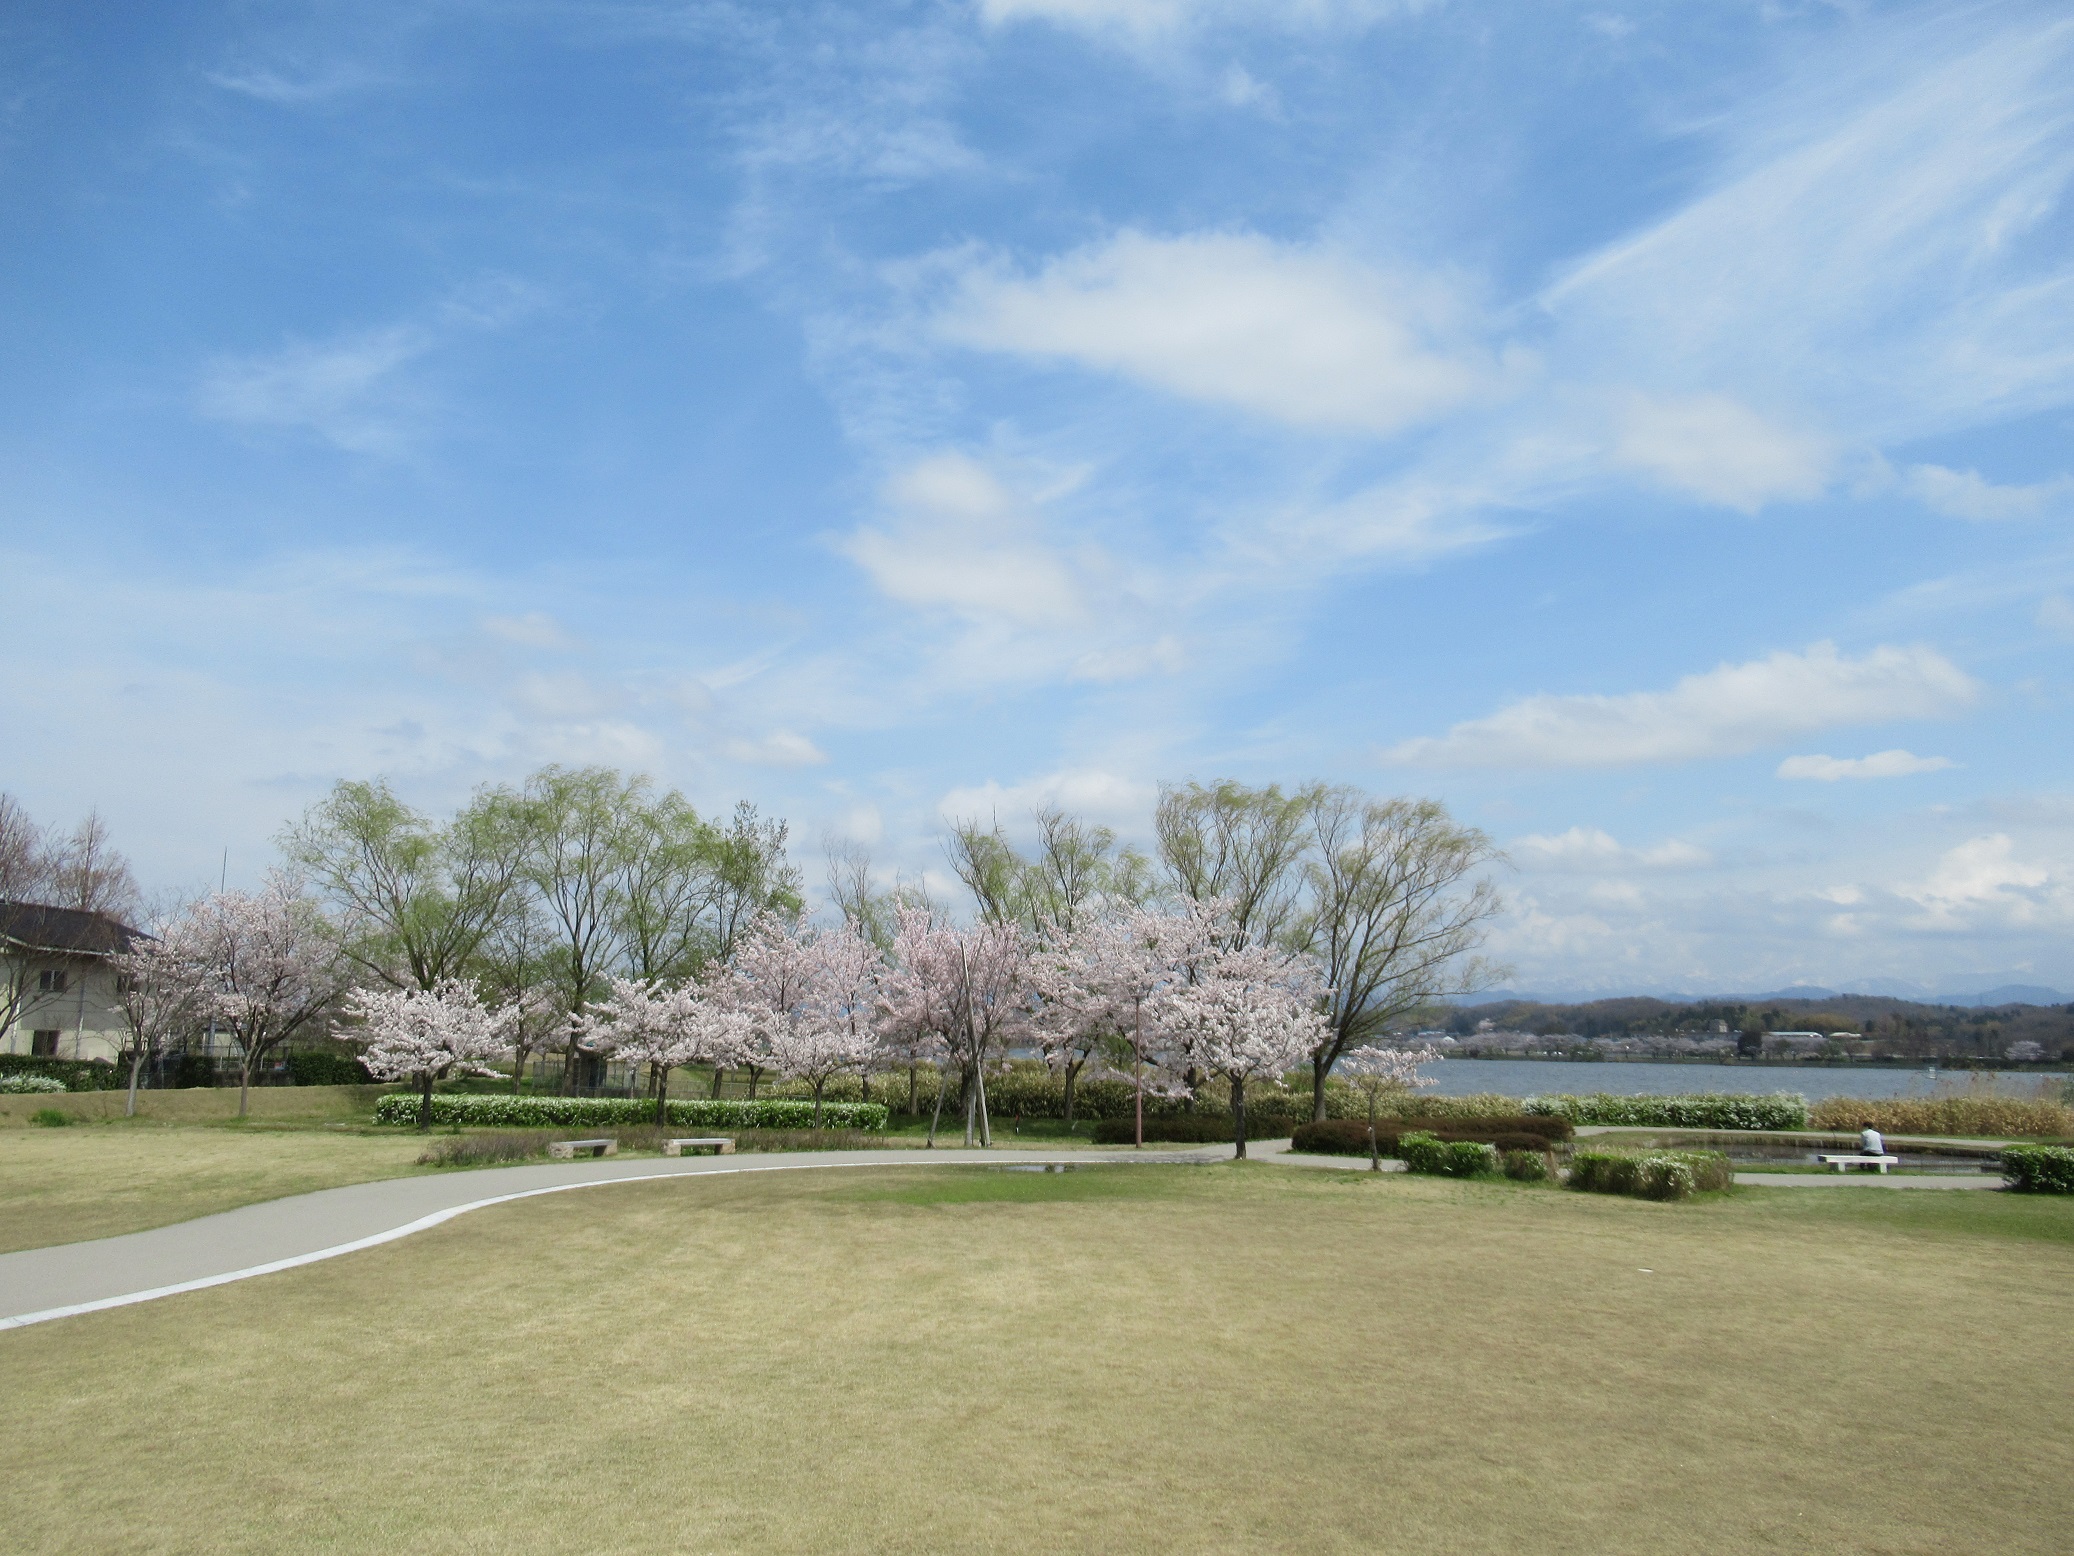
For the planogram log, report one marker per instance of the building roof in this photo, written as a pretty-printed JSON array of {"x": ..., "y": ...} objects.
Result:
[{"x": 38, "y": 926}]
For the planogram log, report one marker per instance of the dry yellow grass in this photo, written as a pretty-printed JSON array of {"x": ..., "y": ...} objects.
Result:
[
  {"x": 66, "y": 1185},
  {"x": 1114, "y": 1360}
]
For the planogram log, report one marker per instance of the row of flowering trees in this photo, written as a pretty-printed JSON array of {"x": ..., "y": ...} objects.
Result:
[{"x": 1168, "y": 1000}]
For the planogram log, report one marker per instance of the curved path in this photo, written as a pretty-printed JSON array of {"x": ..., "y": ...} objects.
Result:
[{"x": 40, "y": 1284}]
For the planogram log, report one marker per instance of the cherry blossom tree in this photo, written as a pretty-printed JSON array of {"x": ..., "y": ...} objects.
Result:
[
  {"x": 1091, "y": 986},
  {"x": 1245, "y": 1012},
  {"x": 424, "y": 1035},
  {"x": 771, "y": 980},
  {"x": 965, "y": 987},
  {"x": 161, "y": 983},
  {"x": 663, "y": 1027},
  {"x": 271, "y": 966},
  {"x": 1381, "y": 1072}
]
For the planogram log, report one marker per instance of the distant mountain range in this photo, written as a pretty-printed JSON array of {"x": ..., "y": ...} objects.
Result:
[{"x": 1889, "y": 988}]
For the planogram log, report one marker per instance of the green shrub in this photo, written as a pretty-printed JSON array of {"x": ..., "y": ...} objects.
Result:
[
  {"x": 509, "y": 1112},
  {"x": 2038, "y": 1169},
  {"x": 1525, "y": 1166},
  {"x": 1650, "y": 1174},
  {"x": 1423, "y": 1152},
  {"x": 320, "y": 1068},
  {"x": 24, "y": 1084},
  {"x": 50, "y": 1118},
  {"x": 1709, "y": 1110},
  {"x": 1169, "y": 1128},
  {"x": 74, "y": 1074},
  {"x": 1349, "y": 1136}
]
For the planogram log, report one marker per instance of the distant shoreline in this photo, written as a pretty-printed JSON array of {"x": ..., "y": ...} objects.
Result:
[{"x": 1927, "y": 1066}]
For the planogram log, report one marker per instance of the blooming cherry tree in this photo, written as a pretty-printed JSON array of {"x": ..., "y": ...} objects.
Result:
[
  {"x": 1093, "y": 985},
  {"x": 271, "y": 966},
  {"x": 162, "y": 985},
  {"x": 1381, "y": 1072},
  {"x": 663, "y": 1027},
  {"x": 1247, "y": 1013},
  {"x": 967, "y": 988},
  {"x": 424, "y": 1035}
]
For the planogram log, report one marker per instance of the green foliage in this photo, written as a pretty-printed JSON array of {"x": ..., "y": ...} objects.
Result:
[
  {"x": 1722, "y": 1110},
  {"x": 1524, "y": 1166},
  {"x": 26, "y": 1084},
  {"x": 1349, "y": 1136},
  {"x": 50, "y": 1118},
  {"x": 1650, "y": 1174},
  {"x": 2039, "y": 1169},
  {"x": 593, "y": 1112},
  {"x": 320, "y": 1068},
  {"x": 1193, "y": 1128},
  {"x": 75, "y": 1074},
  {"x": 1423, "y": 1152}
]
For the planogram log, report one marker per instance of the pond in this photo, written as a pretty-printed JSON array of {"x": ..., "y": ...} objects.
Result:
[{"x": 1542, "y": 1077}]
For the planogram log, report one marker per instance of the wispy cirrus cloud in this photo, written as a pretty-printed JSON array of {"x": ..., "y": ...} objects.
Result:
[{"x": 1726, "y": 711}]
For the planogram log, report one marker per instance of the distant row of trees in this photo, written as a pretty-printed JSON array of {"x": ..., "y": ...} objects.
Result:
[{"x": 583, "y": 907}]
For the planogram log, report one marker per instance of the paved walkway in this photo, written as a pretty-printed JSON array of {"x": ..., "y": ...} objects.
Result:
[{"x": 39, "y": 1284}]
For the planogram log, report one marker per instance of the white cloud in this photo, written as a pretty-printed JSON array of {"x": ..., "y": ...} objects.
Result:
[
  {"x": 1981, "y": 876},
  {"x": 341, "y": 390},
  {"x": 1090, "y": 792},
  {"x": 1881, "y": 764},
  {"x": 1966, "y": 494},
  {"x": 561, "y": 695},
  {"x": 1591, "y": 849},
  {"x": 1145, "y": 19},
  {"x": 779, "y": 749},
  {"x": 534, "y": 629},
  {"x": 1304, "y": 336},
  {"x": 273, "y": 86},
  {"x": 959, "y": 540},
  {"x": 1721, "y": 451},
  {"x": 1723, "y": 712}
]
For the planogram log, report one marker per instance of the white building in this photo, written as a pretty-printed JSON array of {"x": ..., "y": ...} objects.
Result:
[{"x": 57, "y": 991}]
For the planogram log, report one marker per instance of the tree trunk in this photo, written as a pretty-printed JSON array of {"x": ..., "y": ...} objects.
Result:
[
  {"x": 719, "y": 1075},
  {"x": 1138, "y": 1073},
  {"x": 911, "y": 1069},
  {"x": 754, "y": 1072},
  {"x": 1375, "y": 1159},
  {"x": 569, "y": 1066},
  {"x": 244, "y": 1083},
  {"x": 986, "y": 1127},
  {"x": 970, "y": 1100},
  {"x": 817, "y": 1101},
  {"x": 1320, "y": 1068},
  {"x": 136, "y": 1064},
  {"x": 424, "y": 1102},
  {"x": 518, "y": 1069},
  {"x": 864, "y": 1085},
  {"x": 935, "y": 1117},
  {"x": 1072, "y": 1075},
  {"x": 662, "y": 1096},
  {"x": 1238, "y": 1115}
]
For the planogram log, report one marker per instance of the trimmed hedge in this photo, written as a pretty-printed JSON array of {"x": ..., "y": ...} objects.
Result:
[
  {"x": 1650, "y": 1174},
  {"x": 507, "y": 1112},
  {"x": 1989, "y": 1115},
  {"x": 1349, "y": 1136},
  {"x": 2038, "y": 1169},
  {"x": 1524, "y": 1166},
  {"x": 75, "y": 1074},
  {"x": 1423, "y": 1152},
  {"x": 320, "y": 1068},
  {"x": 1170, "y": 1128},
  {"x": 1707, "y": 1110},
  {"x": 24, "y": 1085}
]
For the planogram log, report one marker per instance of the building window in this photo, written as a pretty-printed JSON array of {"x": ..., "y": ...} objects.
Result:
[
  {"x": 44, "y": 1044},
  {"x": 51, "y": 981}
]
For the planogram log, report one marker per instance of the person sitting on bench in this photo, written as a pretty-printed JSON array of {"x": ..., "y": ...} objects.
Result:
[{"x": 1869, "y": 1141}]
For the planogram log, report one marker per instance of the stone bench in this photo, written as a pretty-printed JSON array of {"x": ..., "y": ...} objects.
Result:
[
  {"x": 1843, "y": 1162},
  {"x": 721, "y": 1145},
  {"x": 566, "y": 1150}
]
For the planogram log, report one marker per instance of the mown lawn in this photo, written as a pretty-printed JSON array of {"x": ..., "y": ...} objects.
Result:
[{"x": 1138, "y": 1359}]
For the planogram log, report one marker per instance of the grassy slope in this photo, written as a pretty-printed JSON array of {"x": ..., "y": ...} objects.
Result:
[
  {"x": 66, "y": 1185},
  {"x": 1220, "y": 1359}
]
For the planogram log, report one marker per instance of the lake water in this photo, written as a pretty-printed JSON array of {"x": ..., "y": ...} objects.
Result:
[{"x": 1542, "y": 1077}]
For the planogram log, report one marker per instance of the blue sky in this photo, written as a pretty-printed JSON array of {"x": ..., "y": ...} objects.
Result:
[{"x": 1645, "y": 427}]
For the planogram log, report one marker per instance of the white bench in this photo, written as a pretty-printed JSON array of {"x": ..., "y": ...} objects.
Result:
[
  {"x": 721, "y": 1144},
  {"x": 1842, "y": 1163},
  {"x": 565, "y": 1150}
]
